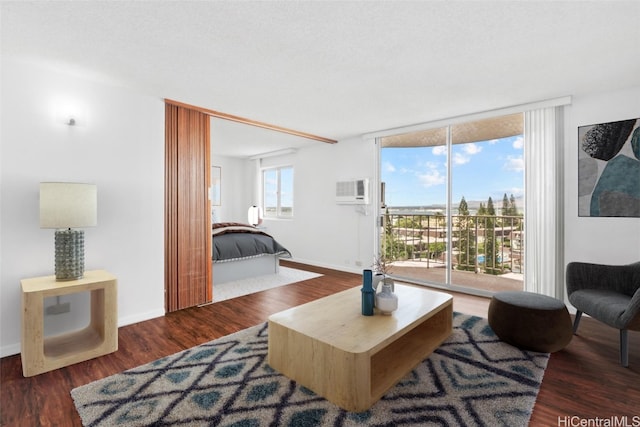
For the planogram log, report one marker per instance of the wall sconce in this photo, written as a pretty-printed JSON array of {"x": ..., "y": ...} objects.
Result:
[
  {"x": 64, "y": 206},
  {"x": 72, "y": 119},
  {"x": 70, "y": 116}
]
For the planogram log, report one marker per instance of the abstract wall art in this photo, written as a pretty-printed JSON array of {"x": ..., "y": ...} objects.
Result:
[{"x": 609, "y": 169}]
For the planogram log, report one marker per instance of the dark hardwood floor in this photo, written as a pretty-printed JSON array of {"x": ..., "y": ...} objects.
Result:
[{"x": 584, "y": 381}]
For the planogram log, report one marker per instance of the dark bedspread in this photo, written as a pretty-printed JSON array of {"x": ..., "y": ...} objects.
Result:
[{"x": 232, "y": 241}]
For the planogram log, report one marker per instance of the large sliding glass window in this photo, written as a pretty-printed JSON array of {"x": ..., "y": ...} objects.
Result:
[{"x": 455, "y": 204}]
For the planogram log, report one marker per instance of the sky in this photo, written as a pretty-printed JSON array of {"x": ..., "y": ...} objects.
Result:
[{"x": 418, "y": 176}]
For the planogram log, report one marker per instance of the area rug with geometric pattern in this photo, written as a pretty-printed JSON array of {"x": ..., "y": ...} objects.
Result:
[{"x": 472, "y": 379}]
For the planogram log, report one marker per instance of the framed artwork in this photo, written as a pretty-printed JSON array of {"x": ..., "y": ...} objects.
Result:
[
  {"x": 216, "y": 182},
  {"x": 609, "y": 169}
]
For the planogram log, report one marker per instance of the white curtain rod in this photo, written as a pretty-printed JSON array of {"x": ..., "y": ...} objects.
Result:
[
  {"x": 282, "y": 152},
  {"x": 565, "y": 100}
]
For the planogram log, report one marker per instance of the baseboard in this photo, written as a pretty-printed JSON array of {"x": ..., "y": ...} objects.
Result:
[
  {"x": 12, "y": 349},
  {"x": 346, "y": 269},
  {"x": 140, "y": 317}
]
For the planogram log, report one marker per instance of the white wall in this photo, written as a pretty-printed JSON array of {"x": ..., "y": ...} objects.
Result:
[
  {"x": 598, "y": 240},
  {"x": 323, "y": 233},
  {"x": 118, "y": 144},
  {"x": 237, "y": 189}
]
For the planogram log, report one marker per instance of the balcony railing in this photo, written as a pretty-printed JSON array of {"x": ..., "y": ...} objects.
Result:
[{"x": 491, "y": 245}]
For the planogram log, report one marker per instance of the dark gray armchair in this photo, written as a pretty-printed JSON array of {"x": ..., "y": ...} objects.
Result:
[{"x": 608, "y": 293}]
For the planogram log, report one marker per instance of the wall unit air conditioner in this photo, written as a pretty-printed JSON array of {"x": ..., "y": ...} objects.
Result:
[{"x": 354, "y": 192}]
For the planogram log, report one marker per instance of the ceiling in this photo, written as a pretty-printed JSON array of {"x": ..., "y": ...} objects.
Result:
[
  {"x": 336, "y": 69},
  {"x": 230, "y": 138}
]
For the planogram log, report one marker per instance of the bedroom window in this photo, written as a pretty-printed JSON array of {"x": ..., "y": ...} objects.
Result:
[{"x": 277, "y": 192}]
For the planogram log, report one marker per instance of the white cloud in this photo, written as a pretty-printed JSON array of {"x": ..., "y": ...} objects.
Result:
[
  {"x": 439, "y": 150},
  {"x": 431, "y": 175},
  {"x": 516, "y": 191},
  {"x": 431, "y": 178},
  {"x": 433, "y": 165},
  {"x": 460, "y": 159},
  {"x": 514, "y": 164},
  {"x": 388, "y": 167},
  {"x": 472, "y": 148},
  {"x": 518, "y": 143}
]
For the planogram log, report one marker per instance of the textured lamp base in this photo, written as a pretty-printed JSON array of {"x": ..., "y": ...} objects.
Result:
[{"x": 69, "y": 254}]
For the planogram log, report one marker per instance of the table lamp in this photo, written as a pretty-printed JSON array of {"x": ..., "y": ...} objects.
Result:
[
  {"x": 66, "y": 206},
  {"x": 254, "y": 215}
]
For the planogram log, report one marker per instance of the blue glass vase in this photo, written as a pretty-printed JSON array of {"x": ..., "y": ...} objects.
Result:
[{"x": 368, "y": 293}]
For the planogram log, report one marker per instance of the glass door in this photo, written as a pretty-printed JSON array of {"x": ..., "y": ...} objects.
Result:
[{"x": 454, "y": 205}]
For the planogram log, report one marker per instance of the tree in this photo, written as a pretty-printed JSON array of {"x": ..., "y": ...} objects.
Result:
[
  {"x": 506, "y": 211},
  {"x": 436, "y": 249},
  {"x": 414, "y": 223},
  {"x": 490, "y": 209},
  {"x": 388, "y": 243},
  {"x": 466, "y": 238},
  {"x": 463, "y": 207},
  {"x": 392, "y": 248},
  {"x": 490, "y": 246},
  {"x": 513, "y": 209},
  {"x": 482, "y": 210}
]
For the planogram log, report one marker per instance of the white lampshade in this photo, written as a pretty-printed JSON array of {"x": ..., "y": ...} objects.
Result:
[
  {"x": 68, "y": 205},
  {"x": 254, "y": 215}
]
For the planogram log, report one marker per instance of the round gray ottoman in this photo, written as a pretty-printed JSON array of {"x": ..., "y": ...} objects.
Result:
[{"x": 530, "y": 321}]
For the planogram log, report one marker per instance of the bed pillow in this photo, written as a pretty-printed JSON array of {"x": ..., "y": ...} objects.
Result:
[{"x": 221, "y": 228}]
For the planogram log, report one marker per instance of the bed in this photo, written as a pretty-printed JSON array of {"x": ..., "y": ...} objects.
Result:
[{"x": 241, "y": 251}]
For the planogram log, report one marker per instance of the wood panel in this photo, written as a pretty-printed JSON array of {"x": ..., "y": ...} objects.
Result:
[
  {"x": 251, "y": 122},
  {"x": 170, "y": 209},
  {"x": 188, "y": 210}
]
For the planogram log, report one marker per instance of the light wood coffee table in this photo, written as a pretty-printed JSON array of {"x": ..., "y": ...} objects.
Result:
[{"x": 352, "y": 360}]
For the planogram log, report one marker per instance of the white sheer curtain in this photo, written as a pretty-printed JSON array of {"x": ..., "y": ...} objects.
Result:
[{"x": 544, "y": 235}]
